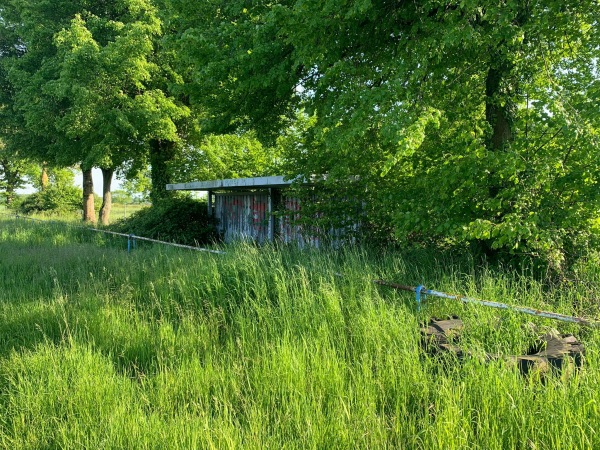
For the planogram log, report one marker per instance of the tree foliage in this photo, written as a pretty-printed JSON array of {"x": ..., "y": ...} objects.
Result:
[
  {"x": 470, "y": 121},
  {"x": 238, "y": 65},
  {"x": 224, "y": 156},
  {"x": 88, "y": 83},
  {"x": 14, "y": 173}
]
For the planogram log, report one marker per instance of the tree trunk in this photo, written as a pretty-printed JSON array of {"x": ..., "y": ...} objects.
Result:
[
  {"x": 9, "y": 192},
  {"x": 44, "y": 177},
  {"x": 107, "y": 175},
  {"x": 161, "y": 152},
  {"x": 497, "y": 108},
  {"x": 89, "y": 213},
  {"x": 498, "y": 113},
  {"x": 11, "y": 180}
]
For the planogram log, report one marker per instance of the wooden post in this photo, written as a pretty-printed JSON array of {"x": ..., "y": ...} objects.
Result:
[
  {"x": 210, "y": 204},
  {"x": 273, "y": 206}
]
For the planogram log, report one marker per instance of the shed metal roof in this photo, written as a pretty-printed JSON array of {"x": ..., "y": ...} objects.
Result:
[{"x": 231, "y": 184}]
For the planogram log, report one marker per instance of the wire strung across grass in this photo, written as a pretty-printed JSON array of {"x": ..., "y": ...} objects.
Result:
[
  {"x": 420, "y": 292},
  {"x": 131, "y": 238}
]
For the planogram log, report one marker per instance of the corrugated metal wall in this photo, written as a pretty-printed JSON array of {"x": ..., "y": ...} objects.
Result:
[
  {"x": 289, "y": 230},
  {"x": 246, "y": 215},
  {"x": 243, "y": 215}
]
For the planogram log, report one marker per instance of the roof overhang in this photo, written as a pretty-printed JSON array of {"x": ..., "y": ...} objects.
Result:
[{"x": 233, "y": 184}]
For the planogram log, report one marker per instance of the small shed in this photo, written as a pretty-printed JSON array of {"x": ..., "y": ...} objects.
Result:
[{"x": 245, "y": 208}]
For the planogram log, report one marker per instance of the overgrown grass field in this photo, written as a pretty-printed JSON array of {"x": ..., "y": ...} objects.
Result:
[{"x": 272, "y": 348}]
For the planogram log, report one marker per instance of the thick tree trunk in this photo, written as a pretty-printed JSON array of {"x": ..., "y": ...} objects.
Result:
[
  {"x": 161, "y": 152},
  {"x": 498, "y": 113},
  {"x": 89, "y": 213},
  {"x": 11, "y": 179},
  {"x": 497, "y": 108},
  {"x": 44, "y": 177},
  {"x": 9, "y": 192},
  {"x": 107, "y": 175}
]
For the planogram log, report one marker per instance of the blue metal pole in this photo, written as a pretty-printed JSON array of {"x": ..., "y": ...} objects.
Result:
[{"x": 419, "y": 291}]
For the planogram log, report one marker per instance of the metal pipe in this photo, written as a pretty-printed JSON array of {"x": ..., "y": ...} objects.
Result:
[
  {"x": 421, "y": 291},
  {"x": 128, "y": 236},
  {"x": 141, "y": 238}
]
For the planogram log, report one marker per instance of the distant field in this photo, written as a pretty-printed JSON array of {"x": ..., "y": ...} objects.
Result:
[
  {"x": 118, "y": 211},
  {"x": 264, "y": 348}
]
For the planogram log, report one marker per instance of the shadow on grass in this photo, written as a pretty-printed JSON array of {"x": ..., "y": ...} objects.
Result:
[
  {"x": 134, "y": 349},
  {"x": 27, "y": 328}
]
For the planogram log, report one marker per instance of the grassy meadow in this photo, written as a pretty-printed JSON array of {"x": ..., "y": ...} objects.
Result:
[
  {"x": 118, "y": 211},
  {"x": 271, "y": 348}
]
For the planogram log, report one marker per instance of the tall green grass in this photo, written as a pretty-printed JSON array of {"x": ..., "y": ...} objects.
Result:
[{"x": 272, "y": 348}]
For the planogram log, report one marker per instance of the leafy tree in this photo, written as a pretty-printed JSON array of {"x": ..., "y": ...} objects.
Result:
[
  {"x": 99, "y": 76},
  {"x": 471, "y": 121},
  {"x": 224, "y": 156},
  {"x": 43, "y": 177},
  {"x": 58, "y": 194},
  {"x": 139, "y": 185},
  {"x": 14, "y": 173},
  {"x": 112, "y": 71},
  {"x": 30, "y": 66},
  {"x": 121, "y": 196},
  {"x": 238, "y": 68}
]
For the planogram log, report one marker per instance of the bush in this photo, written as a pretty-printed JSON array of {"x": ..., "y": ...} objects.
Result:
[
  {"x": 52, "y": 199},
  {"x": 182, "y": 220}
]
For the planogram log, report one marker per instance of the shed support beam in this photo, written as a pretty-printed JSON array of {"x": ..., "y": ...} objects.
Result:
[{"x": 273, "y": 207}]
